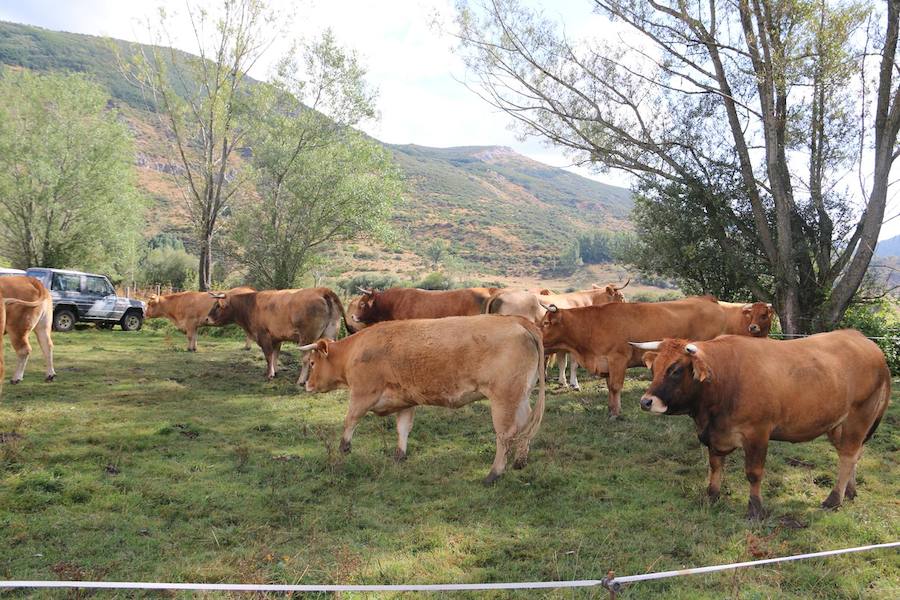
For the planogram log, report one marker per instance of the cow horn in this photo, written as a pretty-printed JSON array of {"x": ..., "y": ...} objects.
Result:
[
  {"x": 646, "y": 345},
  {"x": 622, "y": 287},
  {"x": 769, "y": 306},
  {"x": 217, "y": 295},
  {"x": 691, "y": 349},
  {"x": 365, "y": 291},
  {"x": 747, "y": 307},
  {"x": 308, "y": 347},
  {"x": 549, "y": 307}
]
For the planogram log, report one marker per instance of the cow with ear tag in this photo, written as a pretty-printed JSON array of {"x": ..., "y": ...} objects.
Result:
[
  {"x": 396, "y": 366},
  {"x": 743, "y": 392}
]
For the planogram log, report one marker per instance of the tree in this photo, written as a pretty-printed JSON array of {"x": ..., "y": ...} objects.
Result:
[
  {"x": 436, "y": 251},
  {"x": 202, "y": 103},
  {"x": 317, "y": 180},
  {"x": 781, "y": 96},
  {"x": 67, "y": 187}
]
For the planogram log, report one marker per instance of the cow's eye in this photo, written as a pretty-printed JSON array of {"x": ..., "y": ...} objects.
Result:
[{"x": 675, "y": 370}]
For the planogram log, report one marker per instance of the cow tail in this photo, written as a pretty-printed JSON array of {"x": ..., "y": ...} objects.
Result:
[
  {"x": 23, "y": 302},
  {"x": 490, "y": 302},
  {"x": 885, "y": 400},
  {"x": 534, "y": 419},
  {"x": 333, "y": 301}
]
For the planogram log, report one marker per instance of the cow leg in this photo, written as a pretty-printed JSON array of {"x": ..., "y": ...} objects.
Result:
[
  {"x": 247, "y": 342},
  {"x": 356, "y": 410},
  {"x": 716, "y": 469},
  {"x": 503, "y": 415},
  {"x": 276, "y": 350},
  {"x": 191, "y": 331},
  {"x": 268, "y": 350},
  {"x": 304, "y": 369},
  {"x": 562, "y": 360},
  {"x": 42, "y": 331},
  {"x": 573, "y": 373},
  {"x": 23, "y": 350},
  {"x": 615, "y": 381},
  {"x": 850, "y": 492},
  {"x": 754, "y": 466},
  {"x": 404, "y": 426}
]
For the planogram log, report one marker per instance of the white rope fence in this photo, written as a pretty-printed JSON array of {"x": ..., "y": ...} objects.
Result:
[{"x": 610, "y": 582}]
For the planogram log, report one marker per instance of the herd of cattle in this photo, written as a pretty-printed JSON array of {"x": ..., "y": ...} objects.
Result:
[{"x": 409, "y": 347}]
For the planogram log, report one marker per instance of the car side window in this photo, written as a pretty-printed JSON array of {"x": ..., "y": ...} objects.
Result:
[
  {"x": 63, "y": 282},
  {"x": 96, "y": 286}
]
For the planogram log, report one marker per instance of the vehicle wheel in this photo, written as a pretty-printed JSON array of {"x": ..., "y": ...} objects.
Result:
[
  {"x": 132, "y": 321},
  {"x": 64, "y": 320}
]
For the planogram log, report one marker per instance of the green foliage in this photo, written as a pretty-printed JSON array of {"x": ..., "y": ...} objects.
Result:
[
  {"x": 880, "y": 320},
  {"x": 604, "y": 246},
  {"x": 245, "y": 479},
  {"x": 168, "y": 266},
  {"x": 68, "y": 194},
  {"x": 436, "y": 251},
  {"x": 369, "y": 281},
  {"x": 435, "y": 281}
]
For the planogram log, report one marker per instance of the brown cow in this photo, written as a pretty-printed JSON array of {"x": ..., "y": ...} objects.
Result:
[
  {"x": 275, "y": 316},
  {"x": 598, "y": 336},
  {"x": 753, "y": 319},
  {"x": 397, "y": 366},
  {"x": 743, "y": 393},
  {"x": 187, "y": 311},
  {"x": 32, "y": 312},
  {"x": 531, "y": 306},
  {"x": 352, "y": 308},
  {"x": 395, "y": 304}
]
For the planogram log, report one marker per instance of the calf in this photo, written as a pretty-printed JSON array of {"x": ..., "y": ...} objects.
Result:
[
  {"x": 188, "y": 311},
  {"x": 743, "y": 392},
  {"x": 392, "y": 368}
]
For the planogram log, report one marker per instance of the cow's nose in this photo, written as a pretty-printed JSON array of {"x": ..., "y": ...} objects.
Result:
[
  {"x": 646, "y": 402},
  {"x": 754, "y": 328}
]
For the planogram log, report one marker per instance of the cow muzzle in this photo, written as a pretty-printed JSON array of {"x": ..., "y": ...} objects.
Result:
[
  {"x": 309, "y": 386},
  {"x": 754, "y": 329},
  {"x": 653, "y": 404}
]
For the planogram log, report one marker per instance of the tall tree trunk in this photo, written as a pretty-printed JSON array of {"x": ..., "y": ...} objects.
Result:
[{"x": 205, "y": 270}]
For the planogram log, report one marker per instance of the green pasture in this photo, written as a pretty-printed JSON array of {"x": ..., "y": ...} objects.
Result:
[{"x": 146, "y": 462}]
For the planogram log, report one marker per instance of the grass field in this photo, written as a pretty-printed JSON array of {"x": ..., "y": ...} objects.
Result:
[{"x": 145, "y": 462}]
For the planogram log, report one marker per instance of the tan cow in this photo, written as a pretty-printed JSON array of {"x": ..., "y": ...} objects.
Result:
[
  {"x": 599, "y": 336},
  {"x": 394, "y": 367},
  {"x": 742, "y": 393},
  {"x": 531, "y": 306},
  {"x": 275, "y": 316},
  {"x": 29, "y": 307},
  {"x": 352, "y": 308},
  {"x": 396, "y": 304},
  {"x": 753, "y": 319},
  {"x": 187, "y": 311}
]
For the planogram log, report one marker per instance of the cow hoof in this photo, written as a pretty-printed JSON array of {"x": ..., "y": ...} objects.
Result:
[
  {"x": 712, "y": 496},
  {"x": 832, "y": 501},
  {"x": 613, "y": 417},
  {"x": 192, "y": 349},
  {"x": 491, "y": 478},
  {"x": 520, "y": 463},
  {"x": 577, "y": 388},
  {"x": 15, "y": 381},
  {"x": 247, "y": 348},
  {"x": 50, "y": 378},
  {"x": 755, "y": 510},
  {"x": 345, "y": 447},
  {"x": 850, "y": 494},
  {"x": 399, "y": 455}
]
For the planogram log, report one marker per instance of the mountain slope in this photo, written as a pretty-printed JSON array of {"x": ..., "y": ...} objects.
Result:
[
  {"x": 888, "y": 247},
  {"x": 501, "y": 212}
]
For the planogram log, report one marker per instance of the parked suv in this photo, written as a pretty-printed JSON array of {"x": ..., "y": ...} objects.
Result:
[{"x": 88, "y": 297}]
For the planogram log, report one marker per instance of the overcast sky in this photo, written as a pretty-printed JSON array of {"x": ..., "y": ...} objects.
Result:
[{"x": 421, "y": 99}]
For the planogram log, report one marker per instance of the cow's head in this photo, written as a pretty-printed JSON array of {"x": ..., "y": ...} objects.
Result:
[
  {"x": 324, "y": 373},
  {"x": 153, "y": 307},
  {"x": 365, "y": 310},
  {"x": 679, "y": 369},
  {"x": 221, "y": 312},
  {"x": 553, "y": 326},
  {"x": 353, "y": 325},
  {"x": 613, "y": 291},
  {"x": 757, "y": 318}
]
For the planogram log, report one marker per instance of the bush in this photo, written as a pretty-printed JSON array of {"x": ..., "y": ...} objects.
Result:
[
  {"x": 168, "y": 266},
  {"x": 878, "y": 319},
  {"x": 369, "y": 281},
  {"x": 435, "y": 281}
]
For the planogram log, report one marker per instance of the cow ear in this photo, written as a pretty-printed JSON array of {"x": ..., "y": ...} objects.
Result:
[
  {"x": 701, "y": 369},
  {"x": 648, "y": 358},
  {"x": 747, "y": 308},
  {"x": 322, "y": 347}
]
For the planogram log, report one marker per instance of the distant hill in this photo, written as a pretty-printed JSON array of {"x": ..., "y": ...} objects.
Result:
[
  {"x": 501, "y": 212},
  {"x": 888, "y": 247}
]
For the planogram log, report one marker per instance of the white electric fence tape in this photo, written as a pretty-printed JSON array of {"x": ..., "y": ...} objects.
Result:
[{"x": 609, "y": 583}]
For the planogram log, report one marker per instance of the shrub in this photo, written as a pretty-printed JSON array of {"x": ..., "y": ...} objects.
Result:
[
  {"x": 435, "y": 281},
  {"x": 168, "y": 266},
  {"x": 880, "y": 320},
  {"x": 368, "y": 281}
]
